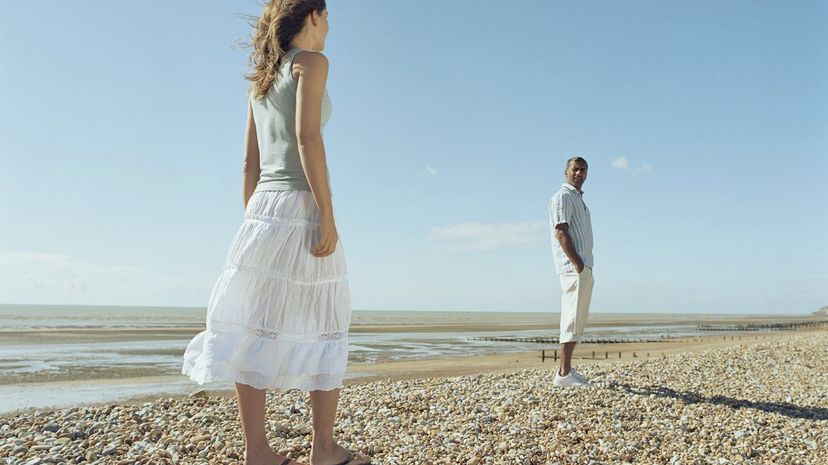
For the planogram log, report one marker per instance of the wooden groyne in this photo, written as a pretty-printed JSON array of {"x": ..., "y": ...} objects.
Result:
[
  {"x": 766, "y": 326},
  {"x": 554, "y": 355}
]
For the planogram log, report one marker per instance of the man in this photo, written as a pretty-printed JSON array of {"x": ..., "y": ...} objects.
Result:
[{"x": 572, "y": 232}]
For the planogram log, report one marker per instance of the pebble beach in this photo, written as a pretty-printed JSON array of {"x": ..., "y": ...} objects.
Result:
[{"x": 764, "y": 403}]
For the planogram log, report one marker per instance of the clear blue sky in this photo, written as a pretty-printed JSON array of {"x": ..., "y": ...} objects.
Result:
[{"x": 705, "y": 124}]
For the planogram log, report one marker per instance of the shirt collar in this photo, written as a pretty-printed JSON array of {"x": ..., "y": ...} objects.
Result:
[{"x": 572, "y": 188}]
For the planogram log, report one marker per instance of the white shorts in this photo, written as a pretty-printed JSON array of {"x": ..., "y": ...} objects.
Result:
[{"x": 575, "y": 298}]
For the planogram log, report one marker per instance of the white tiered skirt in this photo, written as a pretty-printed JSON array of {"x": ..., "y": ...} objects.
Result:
[{"x": 278, "y": 317}]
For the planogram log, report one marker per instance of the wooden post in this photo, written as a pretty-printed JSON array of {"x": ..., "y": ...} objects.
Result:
[
  {"x": 606, "y": 355},
  {"x": 635, "y": 356},
  {"x": 619, "y": 354},
  {"x": 555, "y": 355},
  {"x": 543, "y": 356},
  {"x": 593, "y": 355}
]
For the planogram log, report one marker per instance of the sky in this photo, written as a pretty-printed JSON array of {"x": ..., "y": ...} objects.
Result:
[{"x": 705, "y": 125}]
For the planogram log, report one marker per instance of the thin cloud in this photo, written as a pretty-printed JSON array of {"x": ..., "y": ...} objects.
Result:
[
  {"x": 644, "y": 169},
  {"x": 55, "y": 272},
  {"x": 46, "y": 276},
  {"x": 431, "y": 170},
  {"x": 77, "y": 284},
  {"x": 622, "y": 164},
  {"x": 32, "y": 282},
  {"x": 467, "y": 237}
]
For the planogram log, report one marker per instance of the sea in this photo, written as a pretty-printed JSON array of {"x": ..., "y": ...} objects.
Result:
[{"x": 55, "y": 356}]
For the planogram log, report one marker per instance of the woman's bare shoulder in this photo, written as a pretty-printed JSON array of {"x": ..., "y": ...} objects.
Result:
[{"x": 311, "y": 59}]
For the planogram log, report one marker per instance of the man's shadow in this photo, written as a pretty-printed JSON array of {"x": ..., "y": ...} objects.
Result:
[{"x": 783, "y": 408}]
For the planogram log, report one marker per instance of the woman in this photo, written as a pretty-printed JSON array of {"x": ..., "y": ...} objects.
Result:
[{"x": 278, "y": 316}]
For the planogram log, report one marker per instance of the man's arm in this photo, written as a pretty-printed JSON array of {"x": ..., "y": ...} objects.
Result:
[{"x": 562, "y": 235}]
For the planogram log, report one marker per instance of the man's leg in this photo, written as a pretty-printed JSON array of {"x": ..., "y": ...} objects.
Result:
[
  {"x": 575, "y": 301},
  {"x": 567, "y": 349},
  {"x": 569, "y": 316}
]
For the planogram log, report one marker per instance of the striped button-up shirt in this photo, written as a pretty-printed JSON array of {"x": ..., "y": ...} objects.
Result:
[{"x": 567, "y": 206}]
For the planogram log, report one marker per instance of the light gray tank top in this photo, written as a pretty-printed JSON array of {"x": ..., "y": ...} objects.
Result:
[{"x": 275, "y": 118}]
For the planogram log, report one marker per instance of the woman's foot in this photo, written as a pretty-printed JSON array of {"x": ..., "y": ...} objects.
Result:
[
  {"x": 266, "y": 456},
  {"x": 335, "y": 455}
]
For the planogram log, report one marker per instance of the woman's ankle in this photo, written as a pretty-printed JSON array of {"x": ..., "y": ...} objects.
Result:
[
  {"x": 324, "y": 444},
  {"x": 257, "y": 448}
]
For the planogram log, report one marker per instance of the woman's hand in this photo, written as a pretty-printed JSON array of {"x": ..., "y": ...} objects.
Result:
[{"x": 327, "y": 236}]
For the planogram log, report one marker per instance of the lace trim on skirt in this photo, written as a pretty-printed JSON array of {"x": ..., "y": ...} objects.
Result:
[{"x": 230, "y": 326}]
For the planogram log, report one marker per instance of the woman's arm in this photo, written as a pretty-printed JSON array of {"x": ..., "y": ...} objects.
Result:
[
  {"x": 311, "y": 73},
  {"x": 250, "y": 168}
]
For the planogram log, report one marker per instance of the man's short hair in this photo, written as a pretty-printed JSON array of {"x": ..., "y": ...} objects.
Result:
[{"x": 576, "y": 160}]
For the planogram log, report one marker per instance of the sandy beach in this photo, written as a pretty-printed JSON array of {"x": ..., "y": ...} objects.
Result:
[
  {"x": 758, "y": 400},
  {"x": 397, "y": 322},
  {"x": 508, "y": 362},
  {"x": 60, "y": 357}
]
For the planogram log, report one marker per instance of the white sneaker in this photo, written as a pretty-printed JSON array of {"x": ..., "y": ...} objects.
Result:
[
  {"x": 579, "y": 375},
  {"x": 572, "y": 379}
]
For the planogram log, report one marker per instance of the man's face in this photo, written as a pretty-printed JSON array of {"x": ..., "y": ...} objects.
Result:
[{"x": 576, "y": 173}]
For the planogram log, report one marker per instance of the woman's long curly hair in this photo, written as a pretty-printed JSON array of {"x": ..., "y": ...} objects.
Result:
[{"x": 279, "y": 23}]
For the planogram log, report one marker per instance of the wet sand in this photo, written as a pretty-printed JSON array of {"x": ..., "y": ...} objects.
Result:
[
  {"x": 446, "y": 323},
  {"x": 138, "y": 378},
  {"x": 759, "y": 400},
  {"x": 604, "y": 353},
  {"x": 444, "y": 367}
]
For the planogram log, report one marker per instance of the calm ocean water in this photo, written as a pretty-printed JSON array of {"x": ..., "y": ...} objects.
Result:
[{"x": 67, "y": 355}]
